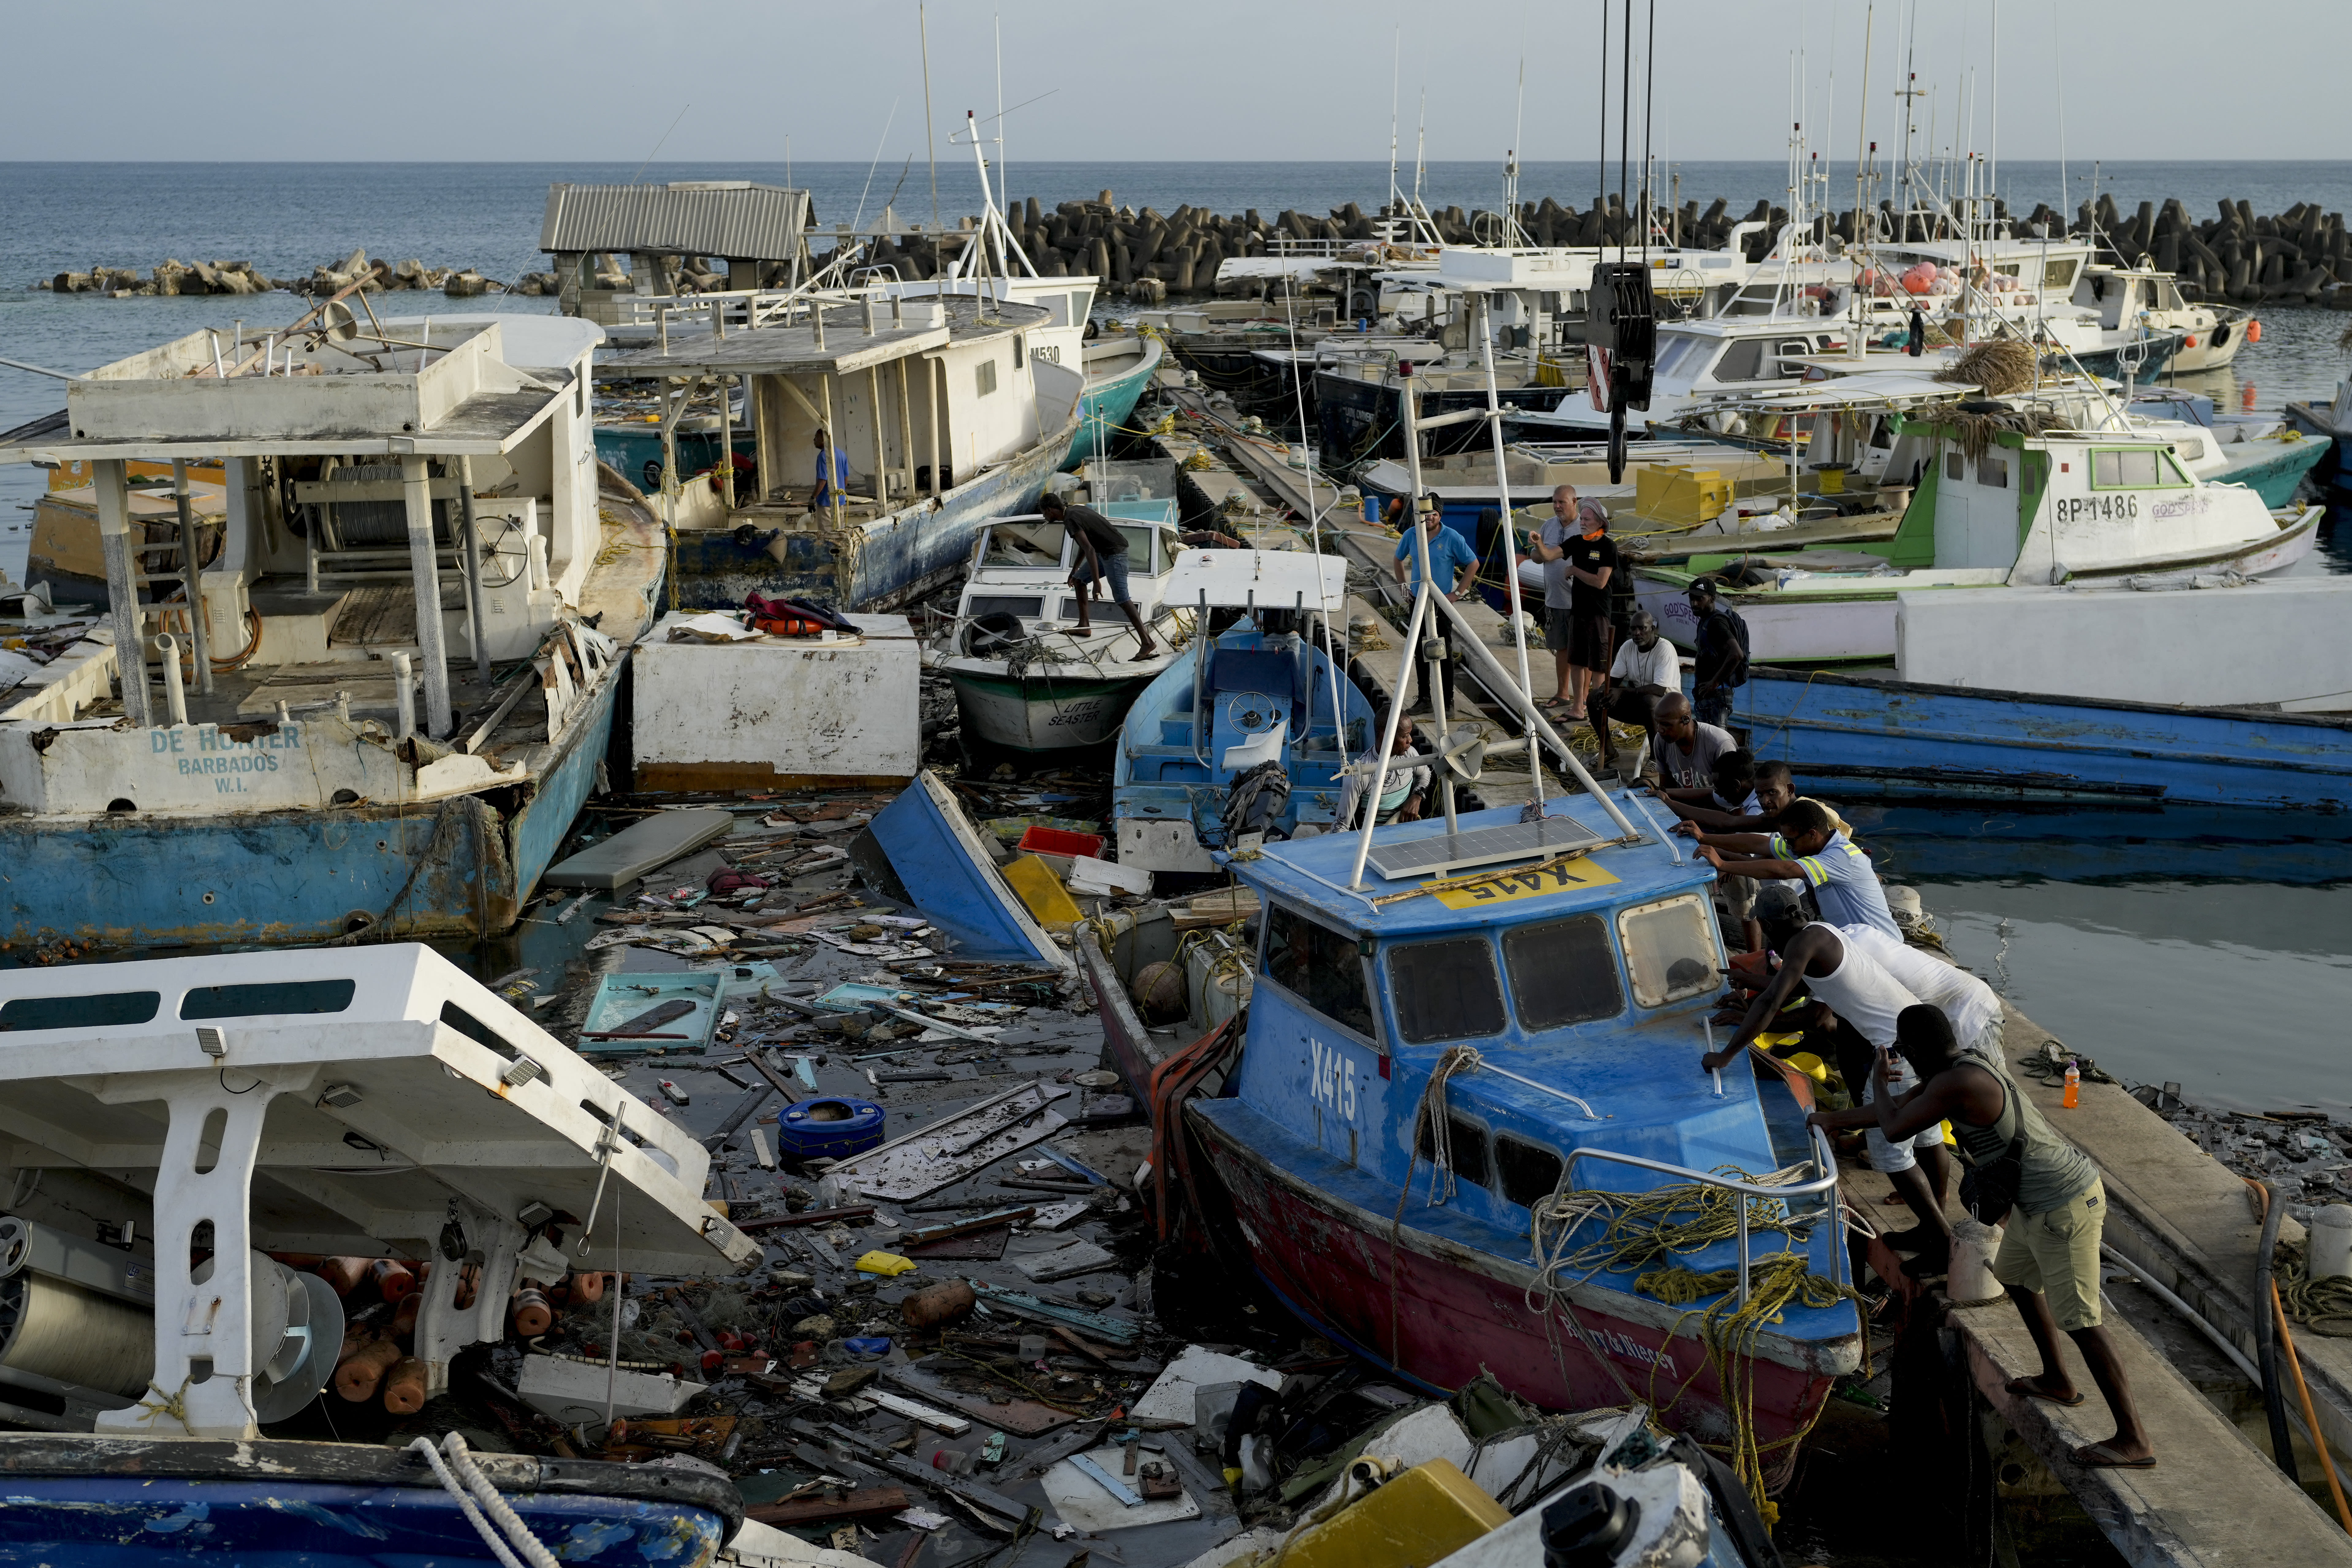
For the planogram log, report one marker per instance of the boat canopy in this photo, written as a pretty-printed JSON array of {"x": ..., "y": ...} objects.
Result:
[{"x": 1245, "y": 579}]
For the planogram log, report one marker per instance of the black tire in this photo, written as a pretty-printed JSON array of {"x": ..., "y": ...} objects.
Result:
[{"x": 653, "y": 474}]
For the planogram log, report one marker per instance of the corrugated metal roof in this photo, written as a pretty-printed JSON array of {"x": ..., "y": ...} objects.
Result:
[{"x": 736, "y": 220}]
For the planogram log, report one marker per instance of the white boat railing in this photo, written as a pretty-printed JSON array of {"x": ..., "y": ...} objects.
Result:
[{"x": 1826, "y": 1184}]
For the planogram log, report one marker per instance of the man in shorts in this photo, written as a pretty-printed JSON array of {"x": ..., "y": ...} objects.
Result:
[
  {"x": 1551, "y": 551},
  {"x": 1102, "y": 558},
  {"x": 2049, "y": 1259}
]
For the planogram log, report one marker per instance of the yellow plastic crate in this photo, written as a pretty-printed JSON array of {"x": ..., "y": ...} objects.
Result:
[
  {"x": 1429, "y": 1512},
  {"x": 1668, "y": 493},
  {"x": 1042, "y": 891}
]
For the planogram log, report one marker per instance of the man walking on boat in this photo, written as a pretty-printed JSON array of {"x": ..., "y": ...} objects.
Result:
[
  {"x": 2049, "y": 1259},
  {"x": 1856, "y": 988},
  {"x": 1102, "y": 554}
]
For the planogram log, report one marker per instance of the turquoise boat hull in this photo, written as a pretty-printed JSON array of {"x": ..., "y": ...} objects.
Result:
[{"x": 1108, "y": 402}]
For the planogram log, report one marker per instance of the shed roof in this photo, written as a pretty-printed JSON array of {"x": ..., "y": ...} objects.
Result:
[{"x": 736, "y": 220}]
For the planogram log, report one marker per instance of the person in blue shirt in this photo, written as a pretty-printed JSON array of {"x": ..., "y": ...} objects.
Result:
[
  {"x": 832, "y": 473},
  {"x": 1810, "y": 849},
  {"x": 1453, "y": 568}
]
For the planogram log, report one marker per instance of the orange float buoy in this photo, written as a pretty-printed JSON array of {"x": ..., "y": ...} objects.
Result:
[
  {"x": 2189, "y": 341},
  {"x": 404, "y": 1317},
  {"x": 531, "y": 1315},
  {"x": 584, "y": 1290},
  {"x": 393, "y": 1278},
  {"x": 344, "y": 1275},
  {"x": 404, "y": 1387},
  {"x": 358, "y": 1377},
  {"x": 2253, "y": 330}
]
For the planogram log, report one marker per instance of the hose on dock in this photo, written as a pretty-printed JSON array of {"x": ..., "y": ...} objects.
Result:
[
  {"x": 2266, "y": 1336},
  {"x": 2275, "y": 1321}
]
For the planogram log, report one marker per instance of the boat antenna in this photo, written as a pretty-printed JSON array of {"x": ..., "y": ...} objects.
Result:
[
  {"x": 1420, "y": 145},
  {"x": 931, "y": 146},
  {"x": 880, "y": 142},
  {"x": 1649, "y": 98},
  {"x": 997, "y": 21},
  {"x": 1624, "y": 116},
  {"x": 1396, "y": 80},
  {"x": 2065, "y": 192},
  {"x": 657, "y": 145}
]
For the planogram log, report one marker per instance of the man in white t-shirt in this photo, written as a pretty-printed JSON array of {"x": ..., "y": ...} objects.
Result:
[{"x": 1645, "y": 673}]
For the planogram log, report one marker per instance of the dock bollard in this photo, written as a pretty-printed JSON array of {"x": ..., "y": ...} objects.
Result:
[
  {"x": 176, "y": 690},
  {"x": 405, "y": 696}
]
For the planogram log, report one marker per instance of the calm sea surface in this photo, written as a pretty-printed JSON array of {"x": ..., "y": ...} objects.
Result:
[{"x": 2212, "y": 949}]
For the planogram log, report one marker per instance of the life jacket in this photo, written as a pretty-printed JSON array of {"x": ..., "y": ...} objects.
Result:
[{"x": 792, "y": 617}]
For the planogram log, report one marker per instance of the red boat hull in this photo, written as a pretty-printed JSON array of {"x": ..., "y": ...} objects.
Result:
[{"x": 1456, "y": 1312}]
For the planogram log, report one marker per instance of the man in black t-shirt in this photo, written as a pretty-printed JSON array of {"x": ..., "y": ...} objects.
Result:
[
  {"x": 1591, "y": 561},
  {"x": 1722, "y": 662},
  {"x": 1102, "y": 557}
]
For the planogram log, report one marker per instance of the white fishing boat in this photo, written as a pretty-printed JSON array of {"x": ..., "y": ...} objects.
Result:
[
  {"x": 2210, "y": 335},
  {"x": 278, "y": 747},
  {"x": 1025, "y": 679}
]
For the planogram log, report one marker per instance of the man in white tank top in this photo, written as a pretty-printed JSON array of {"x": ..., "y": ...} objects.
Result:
[{"x": 1838, "y": 973}]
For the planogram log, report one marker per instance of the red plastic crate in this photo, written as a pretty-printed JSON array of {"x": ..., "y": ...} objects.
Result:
[{"x": 1060, "y": 841}]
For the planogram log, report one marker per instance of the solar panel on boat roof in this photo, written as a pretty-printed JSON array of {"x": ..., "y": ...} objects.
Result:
[{"x": 1444, "y": 852}]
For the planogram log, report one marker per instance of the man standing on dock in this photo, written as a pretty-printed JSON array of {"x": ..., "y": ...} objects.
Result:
[
  {"x": 1586, "y": 559},
  {"x": 1453, "y": 570},
  {"x": 1722, "y": 661},
  {"x": 1102, "y": 554},
  {"x": 2049, "y": 1257}
]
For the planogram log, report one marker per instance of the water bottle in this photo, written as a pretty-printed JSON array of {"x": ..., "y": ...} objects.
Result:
[{"x": 2073, "y": 1087}]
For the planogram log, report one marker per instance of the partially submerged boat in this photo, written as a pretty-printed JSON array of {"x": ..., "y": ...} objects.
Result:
[
  {"x": 284, "y": 750},
  {"x": 1265, "y": 691},
  {"x": 1024, "y": 681},
  {"x": 388, "y": 1106}
]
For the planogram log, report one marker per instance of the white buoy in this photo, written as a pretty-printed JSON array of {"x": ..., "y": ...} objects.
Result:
[{"x": 2331, "y": 1242}]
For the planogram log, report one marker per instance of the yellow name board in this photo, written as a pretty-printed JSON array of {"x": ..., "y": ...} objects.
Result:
[{"x": 1505, "y": 887}]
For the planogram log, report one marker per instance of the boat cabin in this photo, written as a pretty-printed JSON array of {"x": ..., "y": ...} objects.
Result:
[
  {"x": 2066, "y": 503},
  {"x": 932, "y": 403},
  {"x": 1019, "y": 580}
]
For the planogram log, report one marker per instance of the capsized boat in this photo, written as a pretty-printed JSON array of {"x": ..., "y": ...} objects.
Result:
[
  {"x": 387, "y": 1104},
  {"x": 271, "y": 769},
  {"x": 1263, "y": 692},
  {"x": 1024, "y": 680},
  {"x": 1465, "y": 1063}
]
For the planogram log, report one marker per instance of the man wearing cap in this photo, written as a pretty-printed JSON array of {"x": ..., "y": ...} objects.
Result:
[
  {"x": 1722, "y": 661},
  {"x": 1453, "y": 571}
]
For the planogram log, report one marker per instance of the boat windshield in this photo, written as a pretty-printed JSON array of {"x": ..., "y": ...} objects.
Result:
[
  {"x": 1563, "y": 973},
  {"x": 1669, "y": 950},
  {"x": 1445, "y": 990},
  {"x": 1318, "y": 966},
  {"x": 1025, "y": 544}
]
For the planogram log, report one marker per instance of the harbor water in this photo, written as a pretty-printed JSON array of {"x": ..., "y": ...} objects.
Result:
[{"x": 2206, "y": 949}]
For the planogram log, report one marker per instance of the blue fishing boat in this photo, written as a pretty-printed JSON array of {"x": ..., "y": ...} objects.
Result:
[
  {"x": 132, "y": 1502},
  {"x": 1871, "y": 736},
  {"x": 1262, "y": 692},
  {"x": 1469, "y": 1089},
  {"x": 302, "y": 756}
]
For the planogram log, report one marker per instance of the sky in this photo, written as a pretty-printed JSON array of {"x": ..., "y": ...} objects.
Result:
[{"x": 1208, "y": 79}]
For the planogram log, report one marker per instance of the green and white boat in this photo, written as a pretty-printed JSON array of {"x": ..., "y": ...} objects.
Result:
[{"x": 2006, "y": 496}]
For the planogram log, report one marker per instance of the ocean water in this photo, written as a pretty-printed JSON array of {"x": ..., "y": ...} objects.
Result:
[{"x": 2209, "y": 949}]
